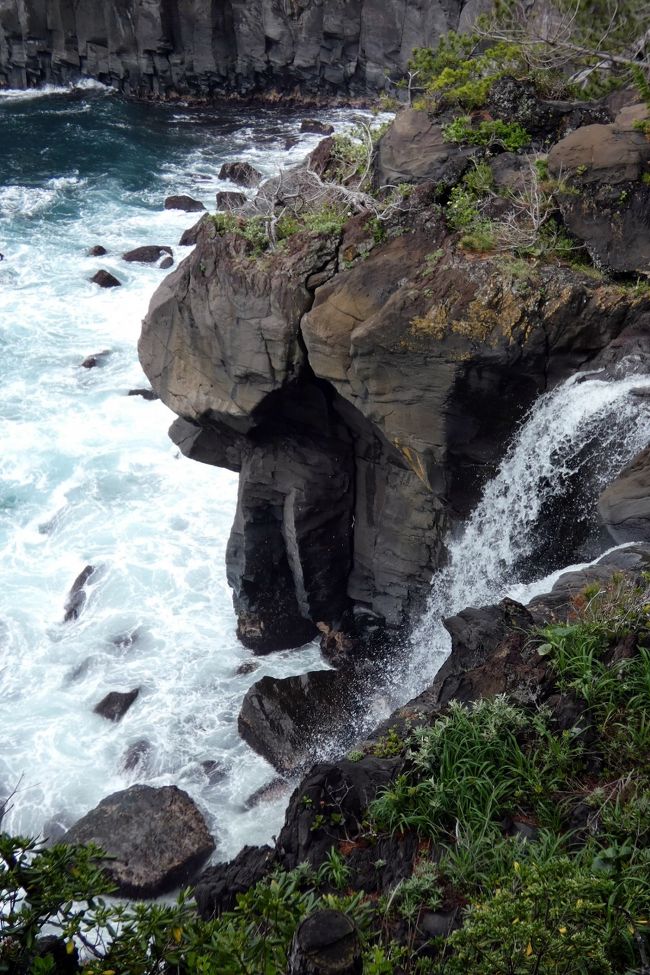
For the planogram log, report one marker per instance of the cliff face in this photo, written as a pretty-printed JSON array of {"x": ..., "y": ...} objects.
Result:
[
  {"x": 365, "y": 389},
  {"x": 200, "y": 47}
]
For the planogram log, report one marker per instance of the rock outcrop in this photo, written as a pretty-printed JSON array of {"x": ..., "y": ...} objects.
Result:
[
  {"x": 364, "y": 390},
  {"x": 156, "y": 838},
  {"x": 625, "y": 504},
  {"x": 208, "y": 47}
]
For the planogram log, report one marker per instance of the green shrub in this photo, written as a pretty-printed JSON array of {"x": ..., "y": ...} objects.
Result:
[{"x": 488, "y": 133}]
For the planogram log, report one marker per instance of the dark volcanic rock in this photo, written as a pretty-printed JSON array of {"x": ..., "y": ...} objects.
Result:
[
  {"x": 98, "y": 359},
  {"x": 227, "y": 200},
  {"x": 97, "y": 251},
  {"x": 217, "y": 888},
  {"x": 190, "y": 236},
  {"x": 241, "y": 173},
  {"x": 157, "y": 838},
  {"x": 51, "y": 947},
  {"x": 149, "y": 254},
  {"x": 282, "y": 718},
  {"x": 326, "y": 941},
  {"x": 215, "y": 48},
  {"x": 114, "y": 706},
  {"x": 183, "y": 202},
  {"x": 77, "y": 596},
  {"x": 105, "y": 279},
  {"x": 166, "y": 263},
  {"x": 624, "y": 506},
  {"x": 277, "y": 788},
  {"x": 608, "y": 206},
  {"x": 144, "y": 393},
  {"x": 313, "y": 125}
]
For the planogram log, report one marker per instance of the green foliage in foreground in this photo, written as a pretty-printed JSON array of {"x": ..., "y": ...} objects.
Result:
[
  {"x": 567, "y": 895},
  {"x": 488, "y": 133}
]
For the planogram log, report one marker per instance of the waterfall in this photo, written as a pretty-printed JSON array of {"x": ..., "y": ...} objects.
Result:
[{"x": 582, "y": 429}]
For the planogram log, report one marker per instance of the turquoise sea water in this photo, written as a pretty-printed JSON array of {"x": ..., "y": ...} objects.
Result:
[{"x": 88, "y": 476}]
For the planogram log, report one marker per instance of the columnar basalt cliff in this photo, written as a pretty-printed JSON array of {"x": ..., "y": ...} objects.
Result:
[
  {"x": 365, "y": 389},
  {"x": 203, "y": 47}
]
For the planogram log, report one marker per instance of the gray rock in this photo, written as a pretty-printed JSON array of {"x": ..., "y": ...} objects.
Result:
[
  {"x": 414, "y": 151},
  {"x": 183, "y": 202},
  {"x": 114, "y": 706},
  {"x": 149, "y": 254},
  {"x": 97, "y": 359},
  {"x": 624, "y": 506},
  {"x": 214, "y": 48},
  {"x": 166, "y": 263},
  {"x": 326, "y": 942},
  {"x": 315, "y": 126},
  {"x": 241, "y": 173},
  {"x": 97, "y": 251},
  {"x": 144, "y": 393},
  {"x": 157, "y": 838},
  {"x": 136, "y": 757}
]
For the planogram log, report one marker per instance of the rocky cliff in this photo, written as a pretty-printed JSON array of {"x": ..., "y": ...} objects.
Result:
[
  {"x": 364, "y": 384},
  {"x": 202, "y": 47}
]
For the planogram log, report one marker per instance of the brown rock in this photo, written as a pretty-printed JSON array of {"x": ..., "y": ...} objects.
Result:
[
  {"x": 183, "y": 202},
  {"x": 149, "y": 254},
  {"x": 241, "y": 173},
  {"x": 105, "y": 279}
]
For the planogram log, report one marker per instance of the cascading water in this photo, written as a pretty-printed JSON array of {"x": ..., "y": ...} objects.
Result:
[{"x": 586, "y": 428}]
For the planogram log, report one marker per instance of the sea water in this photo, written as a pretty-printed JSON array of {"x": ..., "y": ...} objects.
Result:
[{"x": 89, "y": 477}]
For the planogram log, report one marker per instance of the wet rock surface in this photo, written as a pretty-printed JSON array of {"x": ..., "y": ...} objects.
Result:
[
  {"x": 77, "y": 596},
  {"x": 157, "y": 838},
  {"x": 114, "y": 706},
  {"x": 147, "y": 254},
  {"x": 241, "y": 173},
  {"x": 624, "y": 506},
  {"x": 228, "y": 200},
  {"x": 183, "y": 202},
  {"x": 104, "y": 279}
]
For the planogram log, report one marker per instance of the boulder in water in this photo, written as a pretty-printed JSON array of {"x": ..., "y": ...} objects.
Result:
[
  {"x": 97, "y": 251},
  {"x": 318, "y": 128},
  {"x": 97, "y": 359},
  {"x": 105, "y": 279},
  {"x": 241, "y": 173},
  {"x": 283, "y": 719},
  {"x": 136, "y": 756},
  {"x": 183, "y": 202},
  {"x": 166, "y": 263},
  {"x": 156, "y": 838},
  {"x": 77, "y": 596},
  {"x": 277, "y": 788},
  {"x": 114, "y": 706},
  {"x": 144, "y": 393},
  {"x": 149, "y": 254}
]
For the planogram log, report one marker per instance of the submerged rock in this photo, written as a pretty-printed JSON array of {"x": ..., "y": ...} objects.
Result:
[
  {"x": 97, "y": 251},
  {"x": 136, "y": 756},
  {"x": 156, "y": 838},
  {"x": 183, "y": 202},
  {"x": 166, "y": 263},
  {"x": 98, "y": 359},
  {"x": 315, "y": 126},
  {"x": 114, "y": 706},
  {"x": 277, "y": 788},
  {"x": 149, "y": 394},
  {"x": 148, "y": 254},
  {"x": 241, "y": 173},
  {"x": 77, "y": 596}
]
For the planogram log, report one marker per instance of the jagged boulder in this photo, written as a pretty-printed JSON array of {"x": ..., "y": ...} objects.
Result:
[
  {"x": 104, "y": 279},
  {"x": 147, "y": 254},
  {"x": 607, "y": 205},
  {"x": 114, "y": 706},
  {"x": 227, "y": 200},
  {"x": 624, "y": 506},
  {"x": 283, "y": 719},
  {"x": 77, "y": 596},
  {"x": 241, "y": 173},
  {"x": 156, "y": 838}
]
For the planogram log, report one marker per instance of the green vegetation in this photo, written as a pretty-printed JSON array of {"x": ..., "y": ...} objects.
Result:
[
  {"x": 532, "y": 827},
  {"x": 508, "y": 135}
]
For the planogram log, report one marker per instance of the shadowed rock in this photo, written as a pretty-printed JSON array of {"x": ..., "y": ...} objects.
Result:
[
  {"x": 166, "y": 263},
  {"x": 149, "y": 254},
  {"x": 136, "y": 756},
  {"x": 277, "y": 788},
  {"x": 624, "y": 506},
  {"x": 114, "y": 706},
  {"x": 326, "y": 943},
  {"x": 183, "y": 202},
  {"x": 144, "y": 393},
  {"x": 241, "y": 173},
  {"x": 157, "y": 838},
  {"x": 217, "y": 888},
  {"x": 318, "y": 128},
  {"x": 105, "y": 280},
  {"x": 227, "y": 200},
  {"x": 97, "y": 251},
  {"x": 77, "y": 596},
  {"x": 282, "y": 719}
]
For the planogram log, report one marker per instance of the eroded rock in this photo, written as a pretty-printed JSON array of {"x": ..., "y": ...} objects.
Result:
[
  {"x": 624, "y": 506},
  {"x": 183, "y": 202},
  {"x": 157, "y": 838},
  {"x": 241, "y": 173},
  {"x": 114, "y": 706},
  {"x": 104, "y": 279},
  {"x": 77, "y": 596},
  {"x": 148, "y": 254}
]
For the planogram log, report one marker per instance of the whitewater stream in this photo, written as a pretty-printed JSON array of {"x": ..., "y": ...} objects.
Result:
[{"x": 89, "y": 477}]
